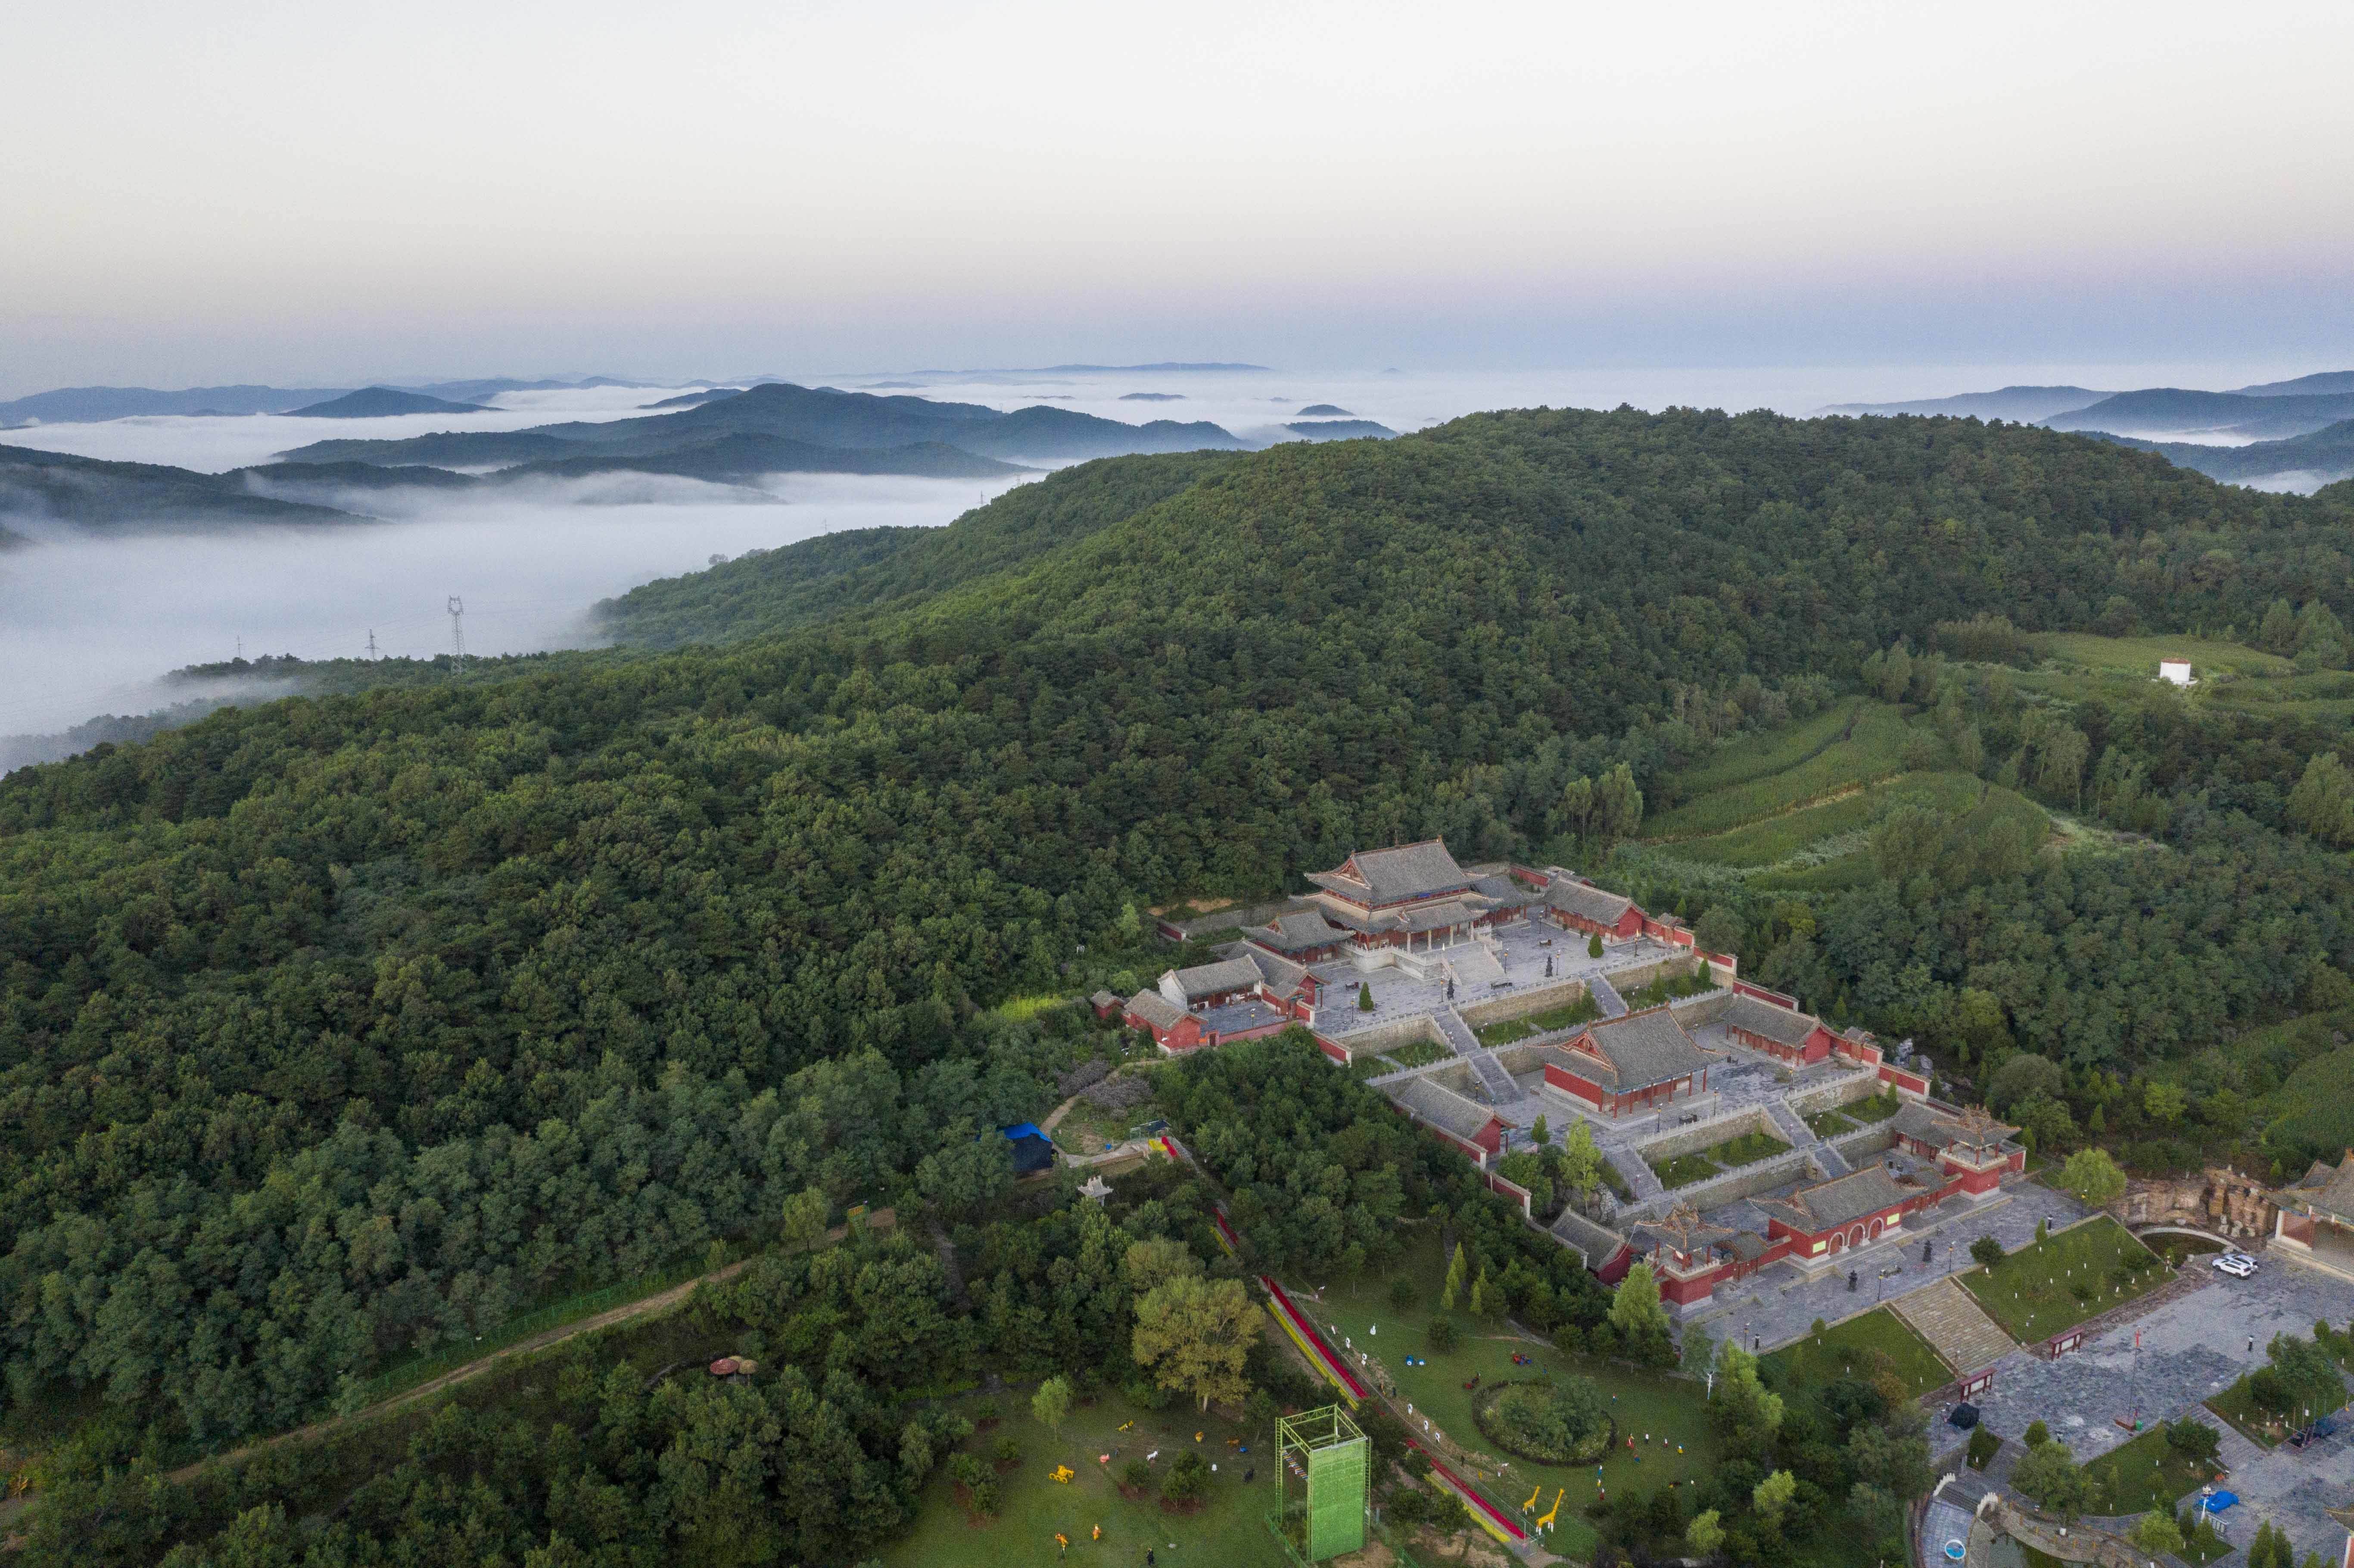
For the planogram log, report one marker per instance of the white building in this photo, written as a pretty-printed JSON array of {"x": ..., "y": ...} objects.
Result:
[{"x": 2175, "y": 672}]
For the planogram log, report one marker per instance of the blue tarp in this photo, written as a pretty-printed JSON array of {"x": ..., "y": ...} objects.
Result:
[
  {"x": 1022, "y": 1129},
  {"x": 2221, "y": 1500}
]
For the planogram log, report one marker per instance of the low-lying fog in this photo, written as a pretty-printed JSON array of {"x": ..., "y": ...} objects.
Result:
[{"x": 87, "y": 625}]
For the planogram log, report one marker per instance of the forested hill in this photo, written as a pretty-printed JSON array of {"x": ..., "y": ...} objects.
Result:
[
  {"x": 764, "y": 592},
  {"x": 341, "y": 1026}
]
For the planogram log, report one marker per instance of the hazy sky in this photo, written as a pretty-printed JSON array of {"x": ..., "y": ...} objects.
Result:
[{"x": 330, "y": 193}]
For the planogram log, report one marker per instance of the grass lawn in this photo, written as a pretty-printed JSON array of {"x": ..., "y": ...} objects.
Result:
[
  {"x": 1418, "y": 1053},
  {"x": 2033, "y": 1293},
  {"x": 1812, "y": 1361},
  {"x": 1855, "y": 1114},
  {"x": 1641, "y": 1402},
  {"x": 1583, "y": 1010},
  {"x": 1750, "y": 1148},
  {"x": 2238, "y": 1407},
  {"x": 2141, "y": 1475},
  {"x": 1032, "y": 1506},
  {"x": 1686, "y": 1169},
  {"x": 1088, "y": 1129}
]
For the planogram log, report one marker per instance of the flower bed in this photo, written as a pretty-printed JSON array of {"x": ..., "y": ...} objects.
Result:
[{"x": 1513, "y": 1430}]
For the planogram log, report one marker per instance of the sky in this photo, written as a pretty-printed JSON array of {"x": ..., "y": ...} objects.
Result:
[{"x": 328, "y": 194}]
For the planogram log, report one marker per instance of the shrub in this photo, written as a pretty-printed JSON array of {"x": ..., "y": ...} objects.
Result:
[
  {"x": 984, "y": 1498},
  {"x": 1594, "y": 946},
  {"x": 2037, "y": 1435},
  {"x": 1443, "y": 1336},
  {"x": 1402, "y": 1296},
  {"x": 1986, "y": 1250},
  {"x": 1188, "y": 1478},
  {"x": 1570, "y": 1340},
  {"x": 1136, "y": 1475},
  {"x": 2194, "y": 1440},
  {"x": 1005, "y": 1450},
  {"x": 1984, "y": 1445},
  {"x": 966, "y": 1468},
  {"x": 1565, "y": 1420},
  {"x": 986, "y": 1411}
]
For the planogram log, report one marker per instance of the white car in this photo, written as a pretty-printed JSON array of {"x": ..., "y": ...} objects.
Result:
[{"x": 2238, "y": 1264}]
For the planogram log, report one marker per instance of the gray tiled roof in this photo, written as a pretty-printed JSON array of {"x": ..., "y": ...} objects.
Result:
[
  {"x": 1586, "y": 901},
  {"x": 1104, "y": 999},
  {"x": 1833, "y": 1203},
  {"x": 1155, "y": 1009},
  {"x": 1504, "y": 890},
  {"x": 1441, "y": 1106},
  {"x": 1296, "y": 932},
  {"x": 1644, "y": 1048},
  {"x": 1599, "y": 1243},
  {"x": 1209, "y": 980},
  {"x": 1408, "y": 871},
  {"x": 1763, "y": 1018},
  {"x": 1281, "y": 975},
  {"x": 2329, "y": 1190},
  {"x": 1938, "y": 1128}
]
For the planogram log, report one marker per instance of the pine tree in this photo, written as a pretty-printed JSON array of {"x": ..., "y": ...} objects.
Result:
[
  {"x": 1479, "y": 1293},
  {"x": 1455, "y": 1272},
  {"x": 1364, "y": 997},
  {"x": 1594, "y": 946}
]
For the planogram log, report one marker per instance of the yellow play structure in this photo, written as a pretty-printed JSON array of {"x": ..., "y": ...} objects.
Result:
[
  {"x": 1531, "y": 1503},
  {"x": 1546, "y": 1522},
  {"x": 1062, "y": 1473}
]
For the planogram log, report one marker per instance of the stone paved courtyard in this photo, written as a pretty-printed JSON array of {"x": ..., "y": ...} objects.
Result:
[
  {"x": 1398, "y": 996},
  {"x": 2193, "y": 1347},
  {"x": 1774, "y": 1307}
]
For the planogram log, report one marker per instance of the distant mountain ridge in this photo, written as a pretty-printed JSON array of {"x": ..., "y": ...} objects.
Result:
[
  {"x": 376, "y": 402},
  {"x": 821, "y": 416},
  {"x": 94, "y": 492},
  {"x": 2021, "y": 405},
  {"x": 90, "y": 405},
  {"x": 2169, "y": 410}
]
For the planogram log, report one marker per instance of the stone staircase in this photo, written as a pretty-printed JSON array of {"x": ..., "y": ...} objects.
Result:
[
  {"x": 1794, "y": 1128},
  {"x": 2237, "y": 1451},
  {"x": 1639, "y": 1175},
  {"x": 1956, "y": 1327},
  {"x": 1501, "y": 1090},
  {"x": 1605, "y": 997}
]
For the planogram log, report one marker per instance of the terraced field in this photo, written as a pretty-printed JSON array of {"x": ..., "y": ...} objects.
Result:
[
  {"x": 1795, "y": 809},
  {"x": 1846, "y": 747}
]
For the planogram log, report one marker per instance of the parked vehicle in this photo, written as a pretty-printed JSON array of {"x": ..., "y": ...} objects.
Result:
[{"x": 2238, "y": 1264}]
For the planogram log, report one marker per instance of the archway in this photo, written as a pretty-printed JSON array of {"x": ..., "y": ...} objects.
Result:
[
  {"x": 1855, "y": 1237},
  {"x": 1839, "y": 1241},
  {"x": 1875, "y": 1230}
]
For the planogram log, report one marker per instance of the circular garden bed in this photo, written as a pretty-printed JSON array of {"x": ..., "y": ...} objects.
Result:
[{"x": 1549, "y": 1421}]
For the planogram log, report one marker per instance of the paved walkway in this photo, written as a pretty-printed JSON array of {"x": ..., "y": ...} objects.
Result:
[
  {"x": 1606, "y": 996},
  {"x": 1956, "y": 1326}
]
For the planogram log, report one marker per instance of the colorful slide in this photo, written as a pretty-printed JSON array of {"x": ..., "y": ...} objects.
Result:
[
  {"x": 1484, "y": 1514},
  {"x": 1227, "y": 1237},
  {"x": 1320, "y": 1354}
]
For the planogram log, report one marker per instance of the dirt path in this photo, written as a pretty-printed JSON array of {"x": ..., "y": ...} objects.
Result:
[{"x": 643, "y": 1307}]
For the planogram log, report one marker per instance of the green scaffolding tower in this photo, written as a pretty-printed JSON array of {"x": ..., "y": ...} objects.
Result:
[{"x": 1322, "y": 1471}]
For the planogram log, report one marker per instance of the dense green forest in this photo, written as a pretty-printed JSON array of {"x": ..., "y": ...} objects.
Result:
[{"x": 345, "y": 1025}]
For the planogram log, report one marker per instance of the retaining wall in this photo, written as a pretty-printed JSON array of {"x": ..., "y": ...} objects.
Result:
[
  {"x": 1860, "y": 1085},
  {"x": 1747, "y": 1183},
  {"x": 1500, "y": 1008},
  {"x": 1707, "y": 1134},
  {"x": 1857, "y": 1147},
  {"x": 1375, "y": 1038}
]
